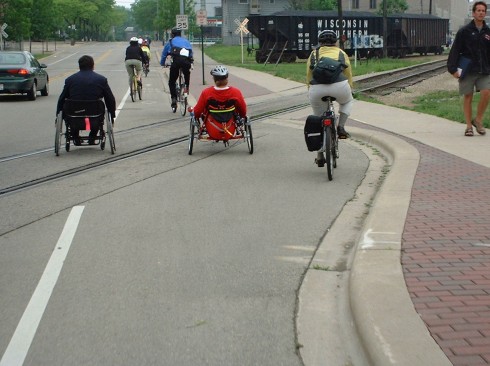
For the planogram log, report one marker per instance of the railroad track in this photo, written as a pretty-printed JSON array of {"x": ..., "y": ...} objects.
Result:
[
  {"x": 118, "y": 157},
  {"x": 389, "y": 82}
]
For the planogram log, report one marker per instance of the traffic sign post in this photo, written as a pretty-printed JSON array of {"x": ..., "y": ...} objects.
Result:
[
  {"x": 242, "y": 28},
  {"x": 3, "y": 34},
  {"x": 202, "y": 19}
]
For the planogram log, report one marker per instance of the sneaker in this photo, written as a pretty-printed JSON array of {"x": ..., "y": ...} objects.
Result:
[
  {"x": 77, "y": 141},
  {"x": 186, "y": 90},
  {"x": 342, "y": 133},
  {"x": 320, "y": 160},
  {"x": 174, "y": 103}
]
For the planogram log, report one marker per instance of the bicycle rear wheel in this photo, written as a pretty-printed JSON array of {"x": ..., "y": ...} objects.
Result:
[
  {"x": 181, "y": 96},
  {"x": 132, "y": 88},
  {"x": 327, "y": 143},
  {"x": 140, "y": 91}
]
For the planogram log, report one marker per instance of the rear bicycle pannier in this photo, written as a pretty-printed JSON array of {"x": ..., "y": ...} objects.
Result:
[{"x": 314, "y": 132}]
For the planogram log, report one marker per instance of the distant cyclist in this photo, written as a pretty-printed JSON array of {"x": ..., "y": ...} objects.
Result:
[
  {"x": 340, "y": 89},
  {"x": 180, "y": 51},
  {"x": 134, "y": 57},
  {"x": 146, "y": 49}
]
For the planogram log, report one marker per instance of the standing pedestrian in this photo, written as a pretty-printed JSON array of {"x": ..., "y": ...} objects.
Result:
[{"x": 473, "y": 43}]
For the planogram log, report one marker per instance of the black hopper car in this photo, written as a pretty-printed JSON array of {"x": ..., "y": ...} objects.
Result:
[{"x": 288, "y": 35}]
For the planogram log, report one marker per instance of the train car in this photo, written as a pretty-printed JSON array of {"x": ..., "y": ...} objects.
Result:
[{"x": 288, "y": 35}]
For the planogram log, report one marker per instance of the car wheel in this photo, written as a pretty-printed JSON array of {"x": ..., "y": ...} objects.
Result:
[
  {"x": 32, "y": 94},
  {"x": 45, "y": 90}
]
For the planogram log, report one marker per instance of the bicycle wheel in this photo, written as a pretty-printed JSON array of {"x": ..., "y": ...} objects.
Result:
[
  {"x": 177, "y": 93},
  {"x": 327, "y": 143},
  {"x": 192, "y": 131},
  {"x": 110, "y": 133},
  {"x": 132, "y": 89},
  {"x": 58, "y": 134},
  {"x": 182, "y": 98},
  {"x": 249, "y": 138},
  {"x": 183, "y": 104}
]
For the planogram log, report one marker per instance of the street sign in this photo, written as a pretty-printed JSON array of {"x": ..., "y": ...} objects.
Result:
[
  {"x": 182, "y": 22},
  {"x": 201, "y": 17},
  {"x": 2, "y": 30},
  {"x": 242, "y": 28}
]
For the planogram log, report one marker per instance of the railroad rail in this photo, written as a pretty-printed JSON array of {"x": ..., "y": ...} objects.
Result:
[
  {"x": 118, "y": 157},
  {"x": 389, "y": 82}
]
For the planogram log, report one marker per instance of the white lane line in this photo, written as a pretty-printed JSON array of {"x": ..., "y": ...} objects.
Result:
[
  {"x": 61, "y": 59},
  {"x": 20, "y": 342},
  {"x": 123, "y": 101}
]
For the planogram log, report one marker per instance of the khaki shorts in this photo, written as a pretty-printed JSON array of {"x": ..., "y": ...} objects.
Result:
[{"x": 471, "y": 81}]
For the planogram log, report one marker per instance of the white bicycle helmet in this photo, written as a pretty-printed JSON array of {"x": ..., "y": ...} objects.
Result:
[
  {"x": 133, "y": 39},
  {"x": 219, "y": 70}
]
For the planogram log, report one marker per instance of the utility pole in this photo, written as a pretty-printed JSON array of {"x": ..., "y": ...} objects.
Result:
[{"x": 385, "y": 31}]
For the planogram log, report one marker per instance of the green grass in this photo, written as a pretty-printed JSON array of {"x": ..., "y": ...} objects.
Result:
[
  {"x": 445, "y": 104},
  {"x": 232, "y": 56}
]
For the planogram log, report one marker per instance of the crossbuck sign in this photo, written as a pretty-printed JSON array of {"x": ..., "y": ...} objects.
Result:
[
  {"x": 3, "y": 34},
  {"x": 242, "y": 28}
]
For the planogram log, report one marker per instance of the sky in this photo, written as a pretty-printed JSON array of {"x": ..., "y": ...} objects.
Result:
[{"x": 126, "y": 3}]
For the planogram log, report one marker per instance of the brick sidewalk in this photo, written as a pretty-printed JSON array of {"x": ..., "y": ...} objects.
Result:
[{"x": 446, "y": 252}]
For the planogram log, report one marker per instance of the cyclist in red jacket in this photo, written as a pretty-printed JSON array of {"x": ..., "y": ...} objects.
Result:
[{"x": 222, "y": 94}]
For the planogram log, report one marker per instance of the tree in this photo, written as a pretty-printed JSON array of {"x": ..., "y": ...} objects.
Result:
[
  {"x": 16, "y": 13},
  {"x": 393, "y": 6},
  {"x": 313, "y": 4},
  {"x": 43, "y": 20},
  {"x": 159, "y": 15}
]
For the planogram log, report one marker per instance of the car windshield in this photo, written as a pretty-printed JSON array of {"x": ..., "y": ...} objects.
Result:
[{"x": 12, "y": 59}]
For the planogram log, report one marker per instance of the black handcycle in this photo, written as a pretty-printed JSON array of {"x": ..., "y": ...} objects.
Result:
[{"x": 83, "y": 115}]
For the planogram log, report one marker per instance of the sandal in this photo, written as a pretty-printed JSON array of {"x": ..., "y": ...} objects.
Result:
[
  {"x": 468, "y": 131},
  {"x": 479, "y": 127}
]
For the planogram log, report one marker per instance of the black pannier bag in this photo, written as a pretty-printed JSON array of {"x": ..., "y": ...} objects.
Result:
[{"x": 314, "y": 132}]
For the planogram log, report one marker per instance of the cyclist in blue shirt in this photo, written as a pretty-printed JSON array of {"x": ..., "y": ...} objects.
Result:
[{"x": 180, "y": 50}]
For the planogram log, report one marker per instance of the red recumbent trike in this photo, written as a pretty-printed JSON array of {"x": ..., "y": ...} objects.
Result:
[{"x": 220, "y": 125}]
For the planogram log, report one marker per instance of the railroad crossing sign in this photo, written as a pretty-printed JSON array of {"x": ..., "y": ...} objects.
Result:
[
  {"x": 182, "y": 22},
  {"x": 242, "y": 28},
  {"x": 201, "y": 17},
  {"x": 3, "y": 34}
]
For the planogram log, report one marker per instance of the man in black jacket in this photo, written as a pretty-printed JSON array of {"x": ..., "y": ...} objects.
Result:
[
  {"x": 87, "y": 85},
  {"x": 473, "y": 42}
]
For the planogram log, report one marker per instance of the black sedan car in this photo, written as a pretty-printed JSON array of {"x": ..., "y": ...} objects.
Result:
[{"x": 20, "y": 72}]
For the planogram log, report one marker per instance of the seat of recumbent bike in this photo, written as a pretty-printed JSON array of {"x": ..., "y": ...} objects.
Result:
[
  {"x": 79, "y": 113},
  {"x": 220, "y": 119}
]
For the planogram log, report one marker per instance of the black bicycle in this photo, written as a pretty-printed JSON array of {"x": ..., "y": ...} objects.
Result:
[
  {"x": 330, "y": 144},
  {"x": 181, "y": 94}
]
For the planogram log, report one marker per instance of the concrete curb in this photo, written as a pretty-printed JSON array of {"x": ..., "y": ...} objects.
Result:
[{"x": 388, "y": 326}]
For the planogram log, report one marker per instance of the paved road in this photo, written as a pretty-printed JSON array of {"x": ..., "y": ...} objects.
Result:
[{"x": 175, "y": 259}]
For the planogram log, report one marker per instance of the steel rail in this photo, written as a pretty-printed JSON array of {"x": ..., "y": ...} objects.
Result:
[
  {"x": 399, "y": 79},
  {"x": 119, "y": 157}
]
